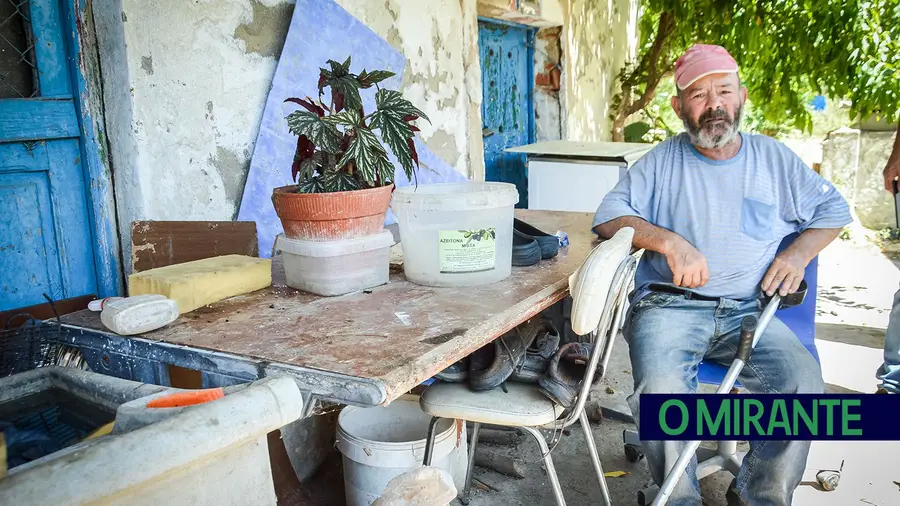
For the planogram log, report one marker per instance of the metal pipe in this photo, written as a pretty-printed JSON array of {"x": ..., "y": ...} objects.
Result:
[
  {"x": 429, "y": 441},
  {"x": 476, "y": 428}
]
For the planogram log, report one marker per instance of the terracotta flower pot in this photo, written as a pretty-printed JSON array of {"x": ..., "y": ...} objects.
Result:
[{"x": 331, "y": 216}]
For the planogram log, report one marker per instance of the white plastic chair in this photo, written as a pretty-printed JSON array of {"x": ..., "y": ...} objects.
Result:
[{"x": 599, "y": 291}]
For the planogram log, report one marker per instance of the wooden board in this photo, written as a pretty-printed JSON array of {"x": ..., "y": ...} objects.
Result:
[
  {"x": 16, "y": 317},
  {"x": 161, "y": 243},
  {"x": 399, "y": 334}
]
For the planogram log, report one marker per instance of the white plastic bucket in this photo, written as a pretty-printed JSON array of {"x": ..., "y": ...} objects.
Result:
[
  {"x": 381, "y": 443},
  {"x": 456, "y": 234}
]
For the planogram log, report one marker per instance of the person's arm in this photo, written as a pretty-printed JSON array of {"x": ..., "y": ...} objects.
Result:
[
  {"x": 646, "y": 235},
  {"x": 629, "y": 204},
  {"x": 892, "y": 169},
  {"x": 789, "y": 266},
  {"x": 820, "y": 212},
  {"x": 688, "y": 265}
]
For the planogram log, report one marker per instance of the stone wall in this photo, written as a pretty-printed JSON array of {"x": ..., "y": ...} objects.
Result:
[{"x": 854, "y": 160}]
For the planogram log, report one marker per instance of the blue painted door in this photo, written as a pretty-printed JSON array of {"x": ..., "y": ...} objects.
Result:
[
  {"x": 506, "y": 108},
  {"x": 45, "y": 231}
]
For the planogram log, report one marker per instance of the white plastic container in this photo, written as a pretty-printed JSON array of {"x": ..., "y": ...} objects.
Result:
[
  {"x": 456, "y": 234},
  {"x": 138, "y": 314},
  {"x": 336, "y": 267},
  {"x": 381, "y": 443}
]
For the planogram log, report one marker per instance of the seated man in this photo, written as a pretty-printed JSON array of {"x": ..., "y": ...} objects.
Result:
[{"x": 710, "y": 207}]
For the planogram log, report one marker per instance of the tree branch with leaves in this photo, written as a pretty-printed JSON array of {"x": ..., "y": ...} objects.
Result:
[{"x": 844, "y": 49}]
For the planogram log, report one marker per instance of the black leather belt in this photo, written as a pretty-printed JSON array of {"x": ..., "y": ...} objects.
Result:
[{"x": 680, "y": 291}]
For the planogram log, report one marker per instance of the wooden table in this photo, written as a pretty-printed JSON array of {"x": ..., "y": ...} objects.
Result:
[{"x": 366, "y": 348}]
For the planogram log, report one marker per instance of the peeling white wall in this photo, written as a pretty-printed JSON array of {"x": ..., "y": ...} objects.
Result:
[
  {"x": 431, "y": 36},
  {"x": 185, "y": 83},
  {"x": 599, "y": 36}
]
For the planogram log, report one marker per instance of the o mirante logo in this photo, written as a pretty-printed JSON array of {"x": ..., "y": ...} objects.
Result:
[{"x": 769, "y": 416}]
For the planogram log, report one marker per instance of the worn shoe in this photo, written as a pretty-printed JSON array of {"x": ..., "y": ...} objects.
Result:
[
  {"x": 456, "y": 373},
  {"x": 549, "y": 244},
  {"x": 537, "y": 357},
  {"x": 493, "y": 364},
  {"x": 525, "y": 250},
  {"x": 566, "y": 373}
]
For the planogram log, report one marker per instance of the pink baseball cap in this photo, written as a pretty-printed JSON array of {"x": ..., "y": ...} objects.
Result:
[{"x": 702, "y": 60}]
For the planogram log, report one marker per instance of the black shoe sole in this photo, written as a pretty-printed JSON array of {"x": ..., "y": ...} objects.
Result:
[
  {"x": 525, "y": 250},
  {"x": 549, "y": 244}
]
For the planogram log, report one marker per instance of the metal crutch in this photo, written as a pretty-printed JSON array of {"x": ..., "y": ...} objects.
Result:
[{"x": 751, "y": 331}]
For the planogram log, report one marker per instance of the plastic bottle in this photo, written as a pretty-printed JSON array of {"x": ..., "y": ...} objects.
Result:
[
  {"x": 97, "y": 305},
  {"x": 138, "y": 314}
]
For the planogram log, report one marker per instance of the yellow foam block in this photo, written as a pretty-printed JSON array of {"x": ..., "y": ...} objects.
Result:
[{"x": 201, "y": 282}]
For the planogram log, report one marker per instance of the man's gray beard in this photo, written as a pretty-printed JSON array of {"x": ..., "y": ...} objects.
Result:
[{"x": 706, "y": 139}]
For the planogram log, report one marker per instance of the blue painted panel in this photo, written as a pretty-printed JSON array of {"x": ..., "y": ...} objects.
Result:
[
  {"x": 50, "y": 51},
  {"x": 337, "y": 35},
  {"x": 70, "y": 210},
  {"x": 506, "y": 109},
  {"x": 94, "y": 158},
  {"x": 28, "y": 256},
  {"x": 26, "y": 119},
  {"x": 44, "y": 217}
]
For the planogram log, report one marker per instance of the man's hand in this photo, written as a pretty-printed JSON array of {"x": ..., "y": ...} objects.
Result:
[
  {"x": 687, "y": 264},
  {"x": 891, "y": 171},
  {"x": 785, "y": 274}
]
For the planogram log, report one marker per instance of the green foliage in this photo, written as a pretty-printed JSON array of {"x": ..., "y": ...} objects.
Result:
[
  {"x": 337, "y": 145},
  {"x": 788, "y": 50},
  {"x": 636, "y": 131}
]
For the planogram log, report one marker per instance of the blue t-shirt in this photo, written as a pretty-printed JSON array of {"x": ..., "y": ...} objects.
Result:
[{"x": 735, "y": 212}]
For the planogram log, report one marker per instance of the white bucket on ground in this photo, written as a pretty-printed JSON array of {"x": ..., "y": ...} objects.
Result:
[
  {"x": 456, "y": 234},
  {"x": 381, "y": 443}
]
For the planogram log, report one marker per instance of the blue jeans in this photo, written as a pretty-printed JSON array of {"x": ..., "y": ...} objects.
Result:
[
  {"x": 668, "y": 335},
  {"x": 889, "y": 372}
]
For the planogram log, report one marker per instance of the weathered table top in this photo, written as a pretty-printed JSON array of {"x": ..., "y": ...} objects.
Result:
[{"x": 396, "y": 337}]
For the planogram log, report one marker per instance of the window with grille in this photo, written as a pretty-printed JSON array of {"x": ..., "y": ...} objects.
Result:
[{"x": 18, "y": 69}]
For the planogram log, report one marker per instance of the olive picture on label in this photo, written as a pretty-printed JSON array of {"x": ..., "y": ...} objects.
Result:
[{"x": 465, "y": 251}]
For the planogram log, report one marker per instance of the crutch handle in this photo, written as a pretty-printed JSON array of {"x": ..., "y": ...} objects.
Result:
[
  {"x": 745, "y": 345},
  {"x": 791, "y": 299}
]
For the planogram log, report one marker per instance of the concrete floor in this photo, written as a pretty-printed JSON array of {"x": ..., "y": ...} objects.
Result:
[{"x": 856, "y": 286}]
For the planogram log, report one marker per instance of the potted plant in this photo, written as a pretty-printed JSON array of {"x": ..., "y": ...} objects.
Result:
[{"x": 343, "y": 176}]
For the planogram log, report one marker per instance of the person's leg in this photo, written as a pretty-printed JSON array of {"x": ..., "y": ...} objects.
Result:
[
  {"x": 667, "y": 337},
  {"x": 772, "y": 470},
  {"x": 889, "y": 372}
]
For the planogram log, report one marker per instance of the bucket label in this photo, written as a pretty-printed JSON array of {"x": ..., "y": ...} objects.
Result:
[{"x": 463, "y": 251}]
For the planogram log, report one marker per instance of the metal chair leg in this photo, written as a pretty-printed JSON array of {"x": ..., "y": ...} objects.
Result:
[
  {"x": 548, "y": 463},
  {"x": 429, "y": 441},
  {"x": 595, "y": 457},
  {"x": 464, "y": 498}
]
